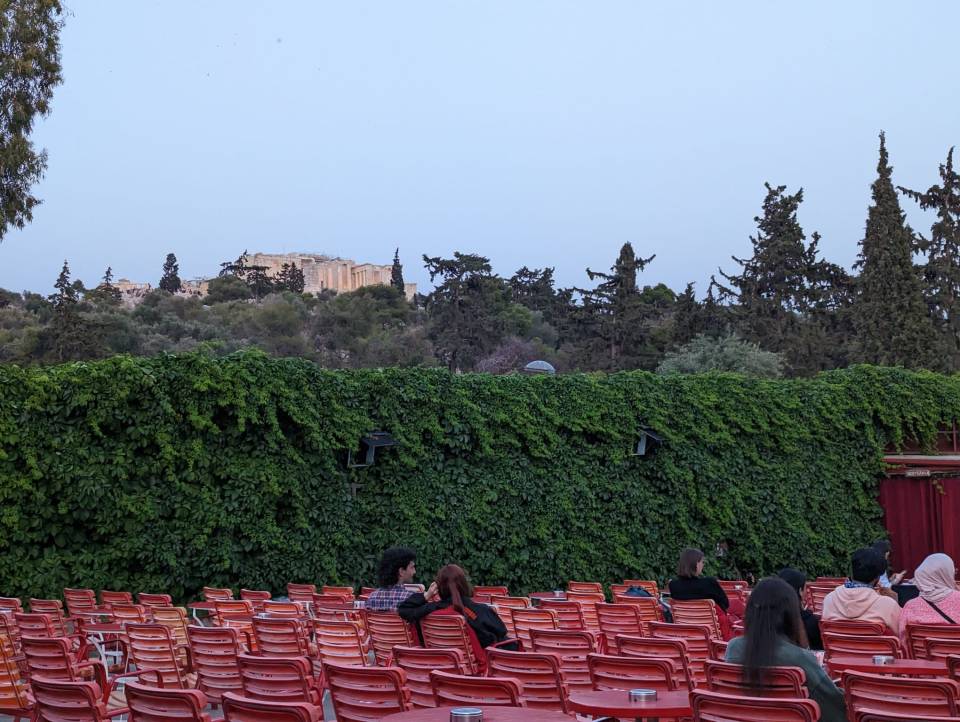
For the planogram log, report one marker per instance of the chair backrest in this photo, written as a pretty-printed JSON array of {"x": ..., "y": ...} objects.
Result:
[
  {"x": 13, "y": 688},
  {"x": 451, "y": 632},
  {"x": 490, "y": 591},
  {"x": 277, "y": 679},
  {"x": 918, "y": 633},
  {"x": 658, "y": 648},
  {"x": 129, "y": 613},
  {"x": 588, "y": 602},
  {"x": 851, "y": 645},
  {"x": 595, "y": 587},
  {"x": 53, "y": 607},
  {"x": 281, "y": 637},
  {"x": 345, "y": 593},
  {"x": 64, "y": 701},
  {"x": 49, "y": 657},
  {"x": 387, "y": 630},
  {"x": 502, "y": 601},
  {"x": 940, "y": 648},
  {"x": 365, "y": 694},
  {"x": 648, "y": 608},
  {"x": 610, "y": 672},
  {"x": 301, "y": 592},
  {"x": 151, "y": 648},
  {"x": 615, "y": 619},
  {"x": 36, "y": 625},
  {"x": 569, "y": 614},
  {"x": 852, "y": 626},
  {"x": 525, "y": 620},
  {"x": 153, "y": 704},
  {"x": 572, "y": 648},
  {"x": 79, "y": 600},
  {"x": 735, "y": 588},
  {"x": 233, "y": 610},
  {"x": 904, "y": 695},
  {"x": 871, "y": 716},
  {"x": 650, "y": 585},
  {"x": 215, "y": 594},
  {"x": 816, "y": 593},
  {"x": 697, "y": 611},
  {"x": 331, "y": 601},
  {"x": 417, "y": 663},
  {"x": 718, "y": 650},
  {"x": 174, "y": 619},
  {"x": 109, "y": 598},
  {"x": 697, "y": 640},
  {"x": 214, "y": 651},
  {"x": 256, "y": 597},
  {"x": 11, "y": 604},
  {"x": 286, "y": 609},
  {"x": 148, "y": 599},
  {"x": 242, "y": 709},
  {"x": 784, "y": 682},
  {"x": 340, "y": 642},
  {"x": 457, "y": 689},
  {"x": 718, "y": 707},
  {"x": 539, "y": 674}
]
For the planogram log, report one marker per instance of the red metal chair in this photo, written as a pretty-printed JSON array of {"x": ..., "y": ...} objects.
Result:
[
  {"x": 588, "y": 602},
  {"x": 80, "y": 600},
  {"x": 917, "y": 634},
  {"x": 297, "y": 610},
  {"x": 569, "y": 614},
  {"x": 572, "y": 648},
  {"x": 15, "y": 698},
  {"x": 863, "y": 648},
  {"x": 541, "y": 680},
  {"x": 717, "y": 707},
  {"x": 154, "y": 600},
  {"x": 301, "y": 592},
  {"x": 214, "y": 652},
  {"x": 53, "y": 607},
  {"x": 417, "y": 663},
  {"x": 923, "y": 698},
  {"x": 441, "y": 631},
  {"x": 387, "y": 630},
  {"x": 153, "y": 650},
  {"x": 154, "y": 704},
  {"x": 236, "y": 613},
  {"x": 256, "y": 598},
  {"x": 486, "y": 593},
  {"x": 59, "y": 700},
  {"x": 852, "y": 626},
  {"x": 617, "y": 619},
  {"x": 241, "y": 709},
  {"x": 873, "y": 716},
  {"x": 10, "y": 604},
  {"x": 697, "y": 640},
  {"x": 346, "y": 593},
  {"x": 816, "y": 593},
  {"x": 595, "y": 587},
  {"x": 130, "y": 613},
  {"x": 653, "y": 589},
  {"x": 525, "y": 620},
  {"x": 657, "y": 648},
  {"x": 502, "y": 601},
  {"x": 457, "y": 689},
  {"x": 702, "y": 612},
  {"x": 365, "y": 694},
  {"x": 340, "y": 643},
  {"x": 648, "y": 608},
  {"x": 108, "y": 598},
  {"x": 55, "y": 658},
  {"x": 941, "y": 648},
  {"x": 781, "y": 682},
  {"x": 282, "y": 637},
  {"x": 609, "y": 672},
  {"x": 718, "y": 650},
  {"x": 174, "y": 619},
  {"x": 735, "y": 589},
  {"x": 217, "y": 594},
  {"x": 278, "y": 679}
]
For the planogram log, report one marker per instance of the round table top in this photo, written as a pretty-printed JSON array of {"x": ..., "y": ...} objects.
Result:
[
  {"x": 490, "y": 714},
  {"x": 898, "y": 666},
  {"x": 616, "y": 702}
]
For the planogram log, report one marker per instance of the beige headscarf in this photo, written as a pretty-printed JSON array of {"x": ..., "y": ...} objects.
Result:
[{"x": 935, "y": 578}]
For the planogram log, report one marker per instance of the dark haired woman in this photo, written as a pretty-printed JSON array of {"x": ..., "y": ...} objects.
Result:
[
  {"x": 690, "y": 584},
  {"x": 451, "y": 593},
  {"x": 775, "y": 637}
]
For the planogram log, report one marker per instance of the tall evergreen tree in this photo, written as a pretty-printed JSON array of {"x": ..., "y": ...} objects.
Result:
[
  {"x": 29, "y": 70},
  {"x": 259, "y": 281},
  {"x": 66, "y": 296},
  {"x": 170, "y": 281},
  {"x": 942, "y": 250},
  {"x": 396, "y": 273},
  {"x": 236, "y": 268},
  {"x": 890, "y": 317},
  {"x": 290, "y": 278},
  {"x": 106, "y": 291}
]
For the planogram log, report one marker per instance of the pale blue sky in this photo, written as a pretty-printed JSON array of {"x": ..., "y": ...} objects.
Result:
[{"x": 536, "y": 132}]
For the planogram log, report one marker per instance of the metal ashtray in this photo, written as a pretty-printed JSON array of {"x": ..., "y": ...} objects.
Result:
[
  {"x": 642, "y": 695},
  {"x": 466, "y": 714},
  {"x": 882, "y": 659}
]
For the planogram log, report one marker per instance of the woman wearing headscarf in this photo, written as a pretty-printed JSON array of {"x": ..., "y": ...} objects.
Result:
[
  {"x": 811, "y": 622},
  {"x": 939, "y": 600}
]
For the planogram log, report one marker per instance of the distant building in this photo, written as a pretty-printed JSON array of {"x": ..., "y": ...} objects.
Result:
[{"x": 319, "y": 273}]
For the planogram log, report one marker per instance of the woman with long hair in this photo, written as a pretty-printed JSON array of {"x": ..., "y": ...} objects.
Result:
[
  {"x": 690, "y": 584},
  {"x": 775, "y": 637}
]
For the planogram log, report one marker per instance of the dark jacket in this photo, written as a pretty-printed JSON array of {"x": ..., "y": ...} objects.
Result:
[
  {"x": 686, "y": 588},
  {"x": 488, "y": 627},
  {"x": 811, "y": 623}
]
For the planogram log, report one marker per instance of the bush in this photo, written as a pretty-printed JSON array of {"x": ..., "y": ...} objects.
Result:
[
  {"x": 173, "y": 472},
  {"x": 725, "y": 353}
]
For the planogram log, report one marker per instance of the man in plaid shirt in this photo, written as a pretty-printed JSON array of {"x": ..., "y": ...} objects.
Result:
[{"x": 397, "y": 568}]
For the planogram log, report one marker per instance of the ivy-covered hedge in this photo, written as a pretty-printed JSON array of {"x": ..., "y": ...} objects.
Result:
[{"x": 178, "y": 471}]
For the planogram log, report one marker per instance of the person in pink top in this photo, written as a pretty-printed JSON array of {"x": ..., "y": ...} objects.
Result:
[{"x": 939, "y": 600}]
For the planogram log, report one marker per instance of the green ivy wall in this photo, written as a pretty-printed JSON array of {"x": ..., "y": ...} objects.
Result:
[{"x": 173, "y": 472}]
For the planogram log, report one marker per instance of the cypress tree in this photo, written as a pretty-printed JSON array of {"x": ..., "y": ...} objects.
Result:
[
  {"x": 891, "y": 320},
  {"x": 941, "y": 273},
  {"x": 106, "y": 290},
  {"x": 170, "y": 281},
  {"x": 290, "y": 278},
  {"x": 396, "y": 273}
]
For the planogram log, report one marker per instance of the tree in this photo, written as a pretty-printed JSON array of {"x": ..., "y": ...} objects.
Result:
[
  {"x": 890, "y": 317},
  {"x": 724, "y": 353},
  {"x": 67, "y": 332},
  {"x": 66, "y": 295},
  {"x": 941, "y": 273},
  {"x": 29, "y": 70},
  {"x": 396, "y": 273},
  {"x": 170, "y": 281},
  {"x": 226, "y": 288},
  {"x": 290, "y": 278},
  {"x": 106, "y": 292},
  {"x": 236, "y": 268},
  {"x": 259, "y": 282}
]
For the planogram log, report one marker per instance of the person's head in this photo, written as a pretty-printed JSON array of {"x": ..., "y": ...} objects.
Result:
[
  {"x": 867, "y": 565},
  {"x": 453, "y": 585},
  {"x": 882, "y": 547},
  {"x": 691, "y": 563},
  {"x": 397, "y": 566},
  {"x": 935, "y": 577},
  {"x": 795, "y": 578},
  {"x": 773, "y": 611}
]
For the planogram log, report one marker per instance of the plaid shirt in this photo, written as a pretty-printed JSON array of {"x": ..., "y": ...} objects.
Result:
[{"x": 387, "y": 599}]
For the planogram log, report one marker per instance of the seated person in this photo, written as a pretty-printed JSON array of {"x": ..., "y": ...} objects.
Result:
[
  {"x": 811, "y": 622},
  {"x": 397, "y": 568},
  {"x": 689, "y": 584},
  {"x": 939, "y": 600},
  {"x": 775, "y": 637},
  {"x": 860, "y": 597},
  {"x": 451, "y": 593}
]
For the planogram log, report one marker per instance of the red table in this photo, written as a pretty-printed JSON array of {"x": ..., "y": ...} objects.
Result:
[
  {"x": 490, "y": 714},
  {"x": 914, "y": 667},
  {"x": 616, "y": 703}
]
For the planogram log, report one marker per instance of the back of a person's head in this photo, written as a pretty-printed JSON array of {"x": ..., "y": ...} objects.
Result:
[
  {"x": 453, "y": 585},
  {"x": 794, "y": 577},
  {"x": 773, "y": 611},
  {"x": 394, "y": 559},
  {"x": 881, "y": 547},
  {"x": 689, "y": 559},
  {"x": 867, "y": 565}
]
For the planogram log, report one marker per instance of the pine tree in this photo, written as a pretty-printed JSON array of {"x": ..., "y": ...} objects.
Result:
[
  {"x": 396, "y": 273},
  {"x": 170, "y": 281},
  {"x": 891, "y": 320},
  {"x": 106, "y": 290},
  {"x": 66, "y": 296},
  {"x": 259, "y": 282},
  {"x": 290, "y": 278},
  {"x": 942, "y": 250},
  {"x": 236, "y": 268}
]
